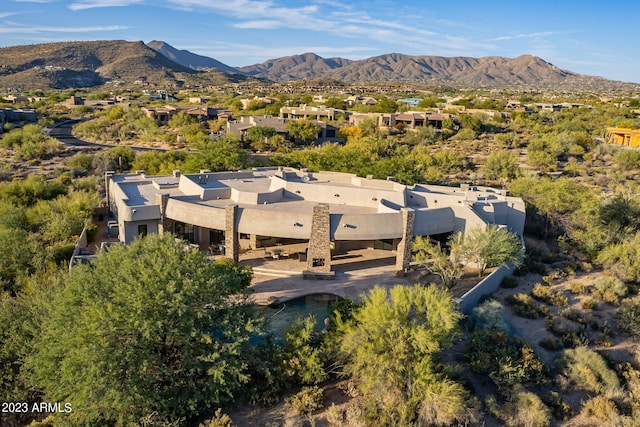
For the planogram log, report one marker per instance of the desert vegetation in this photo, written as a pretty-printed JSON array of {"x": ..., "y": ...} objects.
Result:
[{"x": 556, "y": 345}]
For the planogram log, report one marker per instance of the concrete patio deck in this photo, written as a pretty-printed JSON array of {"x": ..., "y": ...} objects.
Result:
[{"x": 356, "y": 272}]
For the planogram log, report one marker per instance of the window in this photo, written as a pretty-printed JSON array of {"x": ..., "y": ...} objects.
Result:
[
  {"x": 185, "y": 232},
  {"x": 142, "y": 230}
]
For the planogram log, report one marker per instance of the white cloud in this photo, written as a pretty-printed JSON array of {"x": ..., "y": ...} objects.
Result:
[
  {"x": 7, "y": 14},
  {"x": 265, "y": 14},
  {"x": 522, "y": 36},
  {"x": 91, "y": 4},
  {"x": 398, "y": 32},
  {"x": 39, "y": 29}
]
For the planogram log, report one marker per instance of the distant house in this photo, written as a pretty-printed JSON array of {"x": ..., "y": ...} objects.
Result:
[
  {"x": 9, "y": 115},
  {"x": 408, "y": 120},
  {"x": 208, "y": 113},
  {"x": 517, "y": 106},
  {"x": 240, "y": 127},
  {"x": 410, "y": 102},
  {"x": 624, "y": 137},
  {"x": 363, "y": 100},
  {"x": 163, "y": 114},
  {"x": 328, "y": 133},
  {"x": 310, "y": 113},
  {"x": 548, "y": 107},
  {"x": 18, "y": 98},
  {"x": 246, "y": 102},
  {"x": 199, "y": 99}
]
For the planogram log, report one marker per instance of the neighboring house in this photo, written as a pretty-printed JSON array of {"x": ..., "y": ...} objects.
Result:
[
  {"x": 410, "y": 102},
  {"x": 21, "y": 98},
  {"x": 157, "y": 94},
  {"x": 623, "y": 136},
  {"x": 199, "y": 99},
  {"x": 517, "y": 106},
  {"x": 77, "y": 101},
  {"x": 408, "y": 120},
  {"x": 265, "y": 99},
  {"x": 240, "y": 127},
  {"x": 363, "y": 100},
  {"x": 10, "y": 115},
  {"x": 309, "y": 112},
  {"x": 548, "y": 107},
  {"x": 208, "y": 113},
  {"x": 163, "y": 114},
  {"x": 327, "y": 212},
  {"x": 328, "y": 133}
]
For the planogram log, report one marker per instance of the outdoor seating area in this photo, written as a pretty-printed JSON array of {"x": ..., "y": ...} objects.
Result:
[{"x": 277, "y": 252}]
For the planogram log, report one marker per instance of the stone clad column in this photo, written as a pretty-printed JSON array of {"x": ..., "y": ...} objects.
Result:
[
  {"x": 403, "y": 253},
  {"x": 164, "y": 226},
  {"x": 253, "y": 241},
  {"x": 319, "y": 255},
  {"x": 231, "y": 244}
]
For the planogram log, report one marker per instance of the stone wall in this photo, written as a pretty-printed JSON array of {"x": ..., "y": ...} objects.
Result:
[
  {"x": 319, "y": 255},
  {"x": 231, "y": 244},
  {"x": 165, "y": 224},
  {"x": 403, "y": 252}
]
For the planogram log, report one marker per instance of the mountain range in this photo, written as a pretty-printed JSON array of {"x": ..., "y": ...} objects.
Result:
[{"x": 92, "y": 63}]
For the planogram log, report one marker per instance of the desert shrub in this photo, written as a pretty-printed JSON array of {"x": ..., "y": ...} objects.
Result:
[
  {"x": 549, "y": 280},
  {"x": 588, "y": 304},
  {"x": 509, "y": 282},
  {"x": 488, "y": 315},
  {"x": 577, "y": 288},
  {"x": 600, "y": 411},
  {"x": 531, "y": 264},
  {"x": 570, "y": 333},
  {"x": 551, "y": 344},
  {"x": 349, "y": 415},
  {"x": 585, "y": 266},
  {"x": 628, "y": 317},
  {"x": 447, "y": 403},
  {"x": 506, "y": 359},
  {"x": 307, "y": 400},
  {"x": 561, "y": 410},
  {"x": 589, "y": 371},
  {"x": 92, "y": 232},
  {"x": 546, "y": 294},
  {"x": 525, "y": 306},
  {"x": 525, "y": 409},
  {"x": 219, "y": 419},
  {"x": 609, "y": 289},
  {"x": 575, "y": 315}
]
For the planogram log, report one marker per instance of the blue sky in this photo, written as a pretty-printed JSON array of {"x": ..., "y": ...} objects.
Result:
[{"x": 589, "y": 37}]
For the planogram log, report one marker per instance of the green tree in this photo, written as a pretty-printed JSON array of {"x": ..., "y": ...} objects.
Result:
[
  {"x": 389, "y": 347},
  {"x": 219, "y": 155},
  {"x": 303, "y": 130},
  {"x": 27, "y": 191},
  {"x": 148, "y": 329},
  {"x": 303, "y": 358},
  {"x": 259, "y": 136},
  {"x": 21, "y": 319},
  {"x": 490, "y": 247},
  {"x": 446, "y": 266},
  {"x": 622, "y": 259},
  {"x": 501, "y": 165}
]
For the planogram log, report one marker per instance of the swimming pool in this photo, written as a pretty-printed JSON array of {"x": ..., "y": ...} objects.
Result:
[{"x": 282, "y": 316}]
